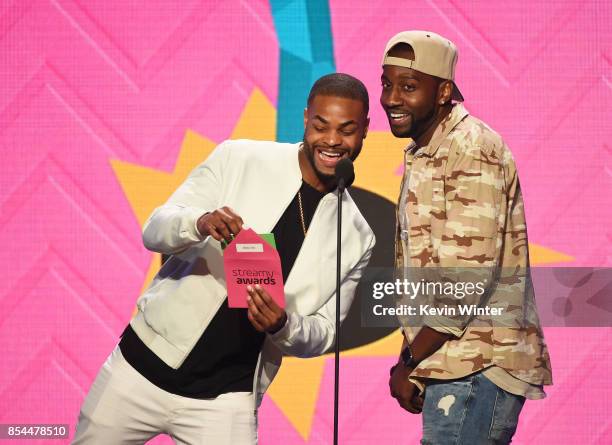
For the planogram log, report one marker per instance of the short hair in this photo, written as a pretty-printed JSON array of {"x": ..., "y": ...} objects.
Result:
[{"x": 340, "y": 85}]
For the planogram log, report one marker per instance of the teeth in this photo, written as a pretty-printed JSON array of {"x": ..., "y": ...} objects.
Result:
[
  {"x": 331, "y": 154},
  {"x": 397, "y": 116}
]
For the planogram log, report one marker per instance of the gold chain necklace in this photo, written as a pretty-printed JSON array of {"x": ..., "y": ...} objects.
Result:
[{"x": 301, "y": 213}]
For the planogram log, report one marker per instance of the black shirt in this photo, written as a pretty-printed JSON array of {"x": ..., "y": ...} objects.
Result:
[{"x": 225, "y": 356}]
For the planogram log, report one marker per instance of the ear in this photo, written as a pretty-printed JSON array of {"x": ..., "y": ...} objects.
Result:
[
  {"x": 445, "y": 91},
  {"x": 305, "y": 117},
  {"x": 365, "y": 129}
]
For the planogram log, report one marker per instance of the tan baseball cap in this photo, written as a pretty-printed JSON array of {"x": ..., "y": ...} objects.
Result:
[{"x": 433, "y": 55}]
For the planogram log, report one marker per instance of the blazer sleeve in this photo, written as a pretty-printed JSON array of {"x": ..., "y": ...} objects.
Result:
[
  {"x": 313, "y": 335},
  {"x": 171, "y": 227}
]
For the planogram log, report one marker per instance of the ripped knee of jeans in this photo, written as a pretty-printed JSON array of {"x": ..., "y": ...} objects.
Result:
[{"x": 445, "y": 403}]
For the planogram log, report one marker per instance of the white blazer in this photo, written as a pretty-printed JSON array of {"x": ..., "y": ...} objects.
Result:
[{"x": 257, "y": 180}]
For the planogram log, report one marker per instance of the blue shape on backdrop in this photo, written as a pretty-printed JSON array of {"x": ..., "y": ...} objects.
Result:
[{"x": 305, "y": 40}]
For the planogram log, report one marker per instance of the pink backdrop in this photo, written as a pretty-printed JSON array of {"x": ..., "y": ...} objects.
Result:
[{"x": 83, "y": 82}]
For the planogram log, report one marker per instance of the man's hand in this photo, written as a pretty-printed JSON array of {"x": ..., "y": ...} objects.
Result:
[
  {"x": 264, "y": 314},
  {"x": 221, "y": 224},
  {"x": 403, "y": 390}
]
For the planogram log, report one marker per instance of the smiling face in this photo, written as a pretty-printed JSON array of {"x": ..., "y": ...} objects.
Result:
[
  {"x": 414, "y": 102},
  {"x": 409, "y": 99},
  {"x": 334, "y": 128}
]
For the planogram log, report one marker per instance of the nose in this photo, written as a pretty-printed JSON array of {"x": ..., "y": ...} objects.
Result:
[
  {"x": 390, "y": 98},
  {"x": 332, "y": 139}
]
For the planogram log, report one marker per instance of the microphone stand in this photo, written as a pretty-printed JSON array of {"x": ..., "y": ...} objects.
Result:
[{"x": 341, "y": 187}]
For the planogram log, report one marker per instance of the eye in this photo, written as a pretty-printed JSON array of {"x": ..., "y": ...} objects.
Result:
[
  {"x": 317, "y": 128},
  {"x": 385, "y": 85},
  {"x": 408, "y": 87},
  {"x": 347, "y": 132}
]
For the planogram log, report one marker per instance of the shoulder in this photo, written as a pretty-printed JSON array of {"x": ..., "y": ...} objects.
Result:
[
  {"x": 252, "y": 149},
  {"x": 474, "y": 140}
]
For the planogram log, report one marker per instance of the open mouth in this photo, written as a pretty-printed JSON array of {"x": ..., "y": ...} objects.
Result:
[
  {"x": 399, "y": 118},
  {"x": 330, "y": 158}
]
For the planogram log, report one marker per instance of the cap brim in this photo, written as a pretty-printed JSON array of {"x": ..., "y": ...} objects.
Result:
[{"x": 457, "y": 96}]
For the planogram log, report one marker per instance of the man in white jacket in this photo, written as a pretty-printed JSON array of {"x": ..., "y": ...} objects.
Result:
[{"x": 189, "y": 366}]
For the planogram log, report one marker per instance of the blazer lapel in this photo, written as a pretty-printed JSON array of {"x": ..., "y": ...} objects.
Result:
[
  {"x": 314, "y": 270},
  {"x": 265, "y": 190}
]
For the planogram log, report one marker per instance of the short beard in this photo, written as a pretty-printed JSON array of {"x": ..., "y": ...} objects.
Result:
[
  {"x": 422, "y": 125},
  {"x": 323, "y": 177}
]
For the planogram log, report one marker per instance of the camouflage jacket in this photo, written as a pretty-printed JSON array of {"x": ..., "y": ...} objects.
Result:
[{"x": 463, "y": 208}]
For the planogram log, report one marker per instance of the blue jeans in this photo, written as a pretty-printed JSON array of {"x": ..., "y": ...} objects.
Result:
[{"x": 469, "y": 411}]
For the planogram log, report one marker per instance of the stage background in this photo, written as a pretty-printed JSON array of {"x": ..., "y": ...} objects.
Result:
[{"x": 106, "y": 106}]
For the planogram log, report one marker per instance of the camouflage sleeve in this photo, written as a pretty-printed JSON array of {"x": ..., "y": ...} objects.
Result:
[
  {"x": 515, "y": 247},
  {"x": 469, "y": 236},
  {"x": 514, "y": 290},
  {"x": 473, "y": 192}
]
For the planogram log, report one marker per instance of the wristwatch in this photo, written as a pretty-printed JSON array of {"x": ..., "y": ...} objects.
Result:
[{"x": 407, "y": 358}]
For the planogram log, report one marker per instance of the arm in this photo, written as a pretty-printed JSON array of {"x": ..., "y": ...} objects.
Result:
[
  {"x": 305, "y": 335},
  {"x": 469, "y": 237},
  {"x": 173, "y": 226}
]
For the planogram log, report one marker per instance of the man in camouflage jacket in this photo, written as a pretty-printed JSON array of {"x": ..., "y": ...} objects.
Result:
[{"x": 460, "y": 209}]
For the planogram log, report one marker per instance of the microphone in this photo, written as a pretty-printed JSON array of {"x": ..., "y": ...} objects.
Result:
[{"x": 345, "y": 174}]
